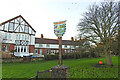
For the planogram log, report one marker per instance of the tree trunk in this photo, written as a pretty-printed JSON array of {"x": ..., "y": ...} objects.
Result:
[
  {"x": 108, "y": 55},
  {"x": 108, "y": 58}
]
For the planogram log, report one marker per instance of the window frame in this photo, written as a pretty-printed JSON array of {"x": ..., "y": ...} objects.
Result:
[{"x": 11, "y": 26}]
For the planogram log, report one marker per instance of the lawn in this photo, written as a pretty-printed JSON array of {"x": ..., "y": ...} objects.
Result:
[{"x": 79, "y": 68}]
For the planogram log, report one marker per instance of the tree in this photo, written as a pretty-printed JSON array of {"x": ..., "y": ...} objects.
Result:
[
  {"x": 100, "y": 25},
  {"x": 114, "y": 45}
]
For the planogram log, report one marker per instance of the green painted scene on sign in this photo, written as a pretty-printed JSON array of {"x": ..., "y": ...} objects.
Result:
[{"x": 59, "y": 28}]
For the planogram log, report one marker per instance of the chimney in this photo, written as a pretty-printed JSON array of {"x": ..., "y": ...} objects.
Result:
[
  {"x": 41, "y": 35},
  {"x": 72, "y": 39}
]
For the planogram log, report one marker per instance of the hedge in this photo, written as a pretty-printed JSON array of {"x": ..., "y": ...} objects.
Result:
[{"x": 76, "y": 55}]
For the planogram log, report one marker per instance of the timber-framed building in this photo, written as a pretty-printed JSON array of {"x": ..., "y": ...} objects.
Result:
[{"x": 19, "y": 37}]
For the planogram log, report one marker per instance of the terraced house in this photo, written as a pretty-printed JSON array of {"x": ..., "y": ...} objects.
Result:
[
  {"x": 19, "y": 37},
  {"x": 51, "y": 46}
]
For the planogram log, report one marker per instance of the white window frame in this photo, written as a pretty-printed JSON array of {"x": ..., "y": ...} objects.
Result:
[
  {"x": 11, "y": 26},
  {"x": 23, "y": 37},
  {"x": 26, "y": 29}
]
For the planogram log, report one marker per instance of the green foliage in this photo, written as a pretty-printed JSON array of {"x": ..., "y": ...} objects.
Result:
[
  {"x": 76, "y": 55},
  {"x": 50, "y": 57}
]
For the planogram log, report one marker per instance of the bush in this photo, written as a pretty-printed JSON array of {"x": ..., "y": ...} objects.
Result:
[
  {"x": 75, "y": 55},
  {"x": 50, "y": 57}
]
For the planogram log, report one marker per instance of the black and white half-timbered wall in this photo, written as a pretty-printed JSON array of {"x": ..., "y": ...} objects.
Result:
[{"x": 18, "y": 36}]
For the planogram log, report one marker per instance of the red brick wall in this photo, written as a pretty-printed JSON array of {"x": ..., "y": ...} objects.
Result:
[
  {"x": 44, "y": 51},
  {"x": 31, "y": 48},
  {"x": 38, "y": 51}
]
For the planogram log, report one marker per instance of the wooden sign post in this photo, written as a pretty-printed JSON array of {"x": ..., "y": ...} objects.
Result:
[
  {"x": 60, "y": 71},
  {"x": 60, "y": 51},
  {"x": 59, "y": 30}
]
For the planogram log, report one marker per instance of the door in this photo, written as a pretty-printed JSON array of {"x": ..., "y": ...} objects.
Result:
[{"x": 41, "y": 51}]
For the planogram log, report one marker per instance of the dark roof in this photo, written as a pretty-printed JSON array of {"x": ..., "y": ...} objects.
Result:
[
  {"x": 16, "y": 18},
  {"x": 52, "y": 41}
]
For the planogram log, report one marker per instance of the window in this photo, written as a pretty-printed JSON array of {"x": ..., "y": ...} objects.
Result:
[
  {"x": 3, "y": 27},
  {"x": 65, "y": 46},
  {"x": 65, "y": 51},
  {"x": 9, "y": 36},
  {"x": 18, "y": 49},
  {"x": 41, "y": 51},
  {"x": 47, "y": 51},
  {"x": 68, "y": 51},
  {"x": 57, "y": 51},
  {"x": 21, "y": 49},
  {"x": 26, "y": 38},
  {"x": 22, "y": 37},
  {"x": 26, "y": 28},
  {"x": 11, "y": 25},
  {"x": 17, "y": 37},
  {"x": 5, "y": 36},
  {"x": 72, "y": 46},
  {"x": 48, "y": 45},
  {"x": 36, "y": 51},
  {"x": 25, "y": 49},
  {"x": 40, "y": 45}
]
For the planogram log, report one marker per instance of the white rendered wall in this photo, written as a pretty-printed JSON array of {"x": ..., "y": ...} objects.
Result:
[
  {"x": 32, "y": 40},
  {"x": 53, "y": 46},
  {"x": 10, "y": 37}
]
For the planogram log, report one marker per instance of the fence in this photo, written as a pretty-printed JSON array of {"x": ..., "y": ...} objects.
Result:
[
  {"x": 21, "y": 59},
  {"x": 44, "y": 74}
]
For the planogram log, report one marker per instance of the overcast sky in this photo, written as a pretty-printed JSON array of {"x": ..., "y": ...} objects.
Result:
[{"x": 41, "y": 14}]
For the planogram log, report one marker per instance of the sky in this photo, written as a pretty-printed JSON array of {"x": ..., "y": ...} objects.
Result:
[{"x": 41, "y": 14}]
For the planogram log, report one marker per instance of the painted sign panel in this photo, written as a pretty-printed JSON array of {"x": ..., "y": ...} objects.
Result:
[{"x": 59, "y": 28}]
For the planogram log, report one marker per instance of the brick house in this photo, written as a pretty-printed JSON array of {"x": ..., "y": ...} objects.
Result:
[
  {"x": 19, "y": 35},
  {"x": 51, "y": 46}
]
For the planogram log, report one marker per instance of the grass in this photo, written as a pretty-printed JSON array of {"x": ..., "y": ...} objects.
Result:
[{"x": 79, "y": 68}]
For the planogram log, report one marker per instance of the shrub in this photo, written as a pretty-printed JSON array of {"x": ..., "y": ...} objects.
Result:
[
  {"x": 50, "y": 57},
  {"x": 75, "y": 55}
]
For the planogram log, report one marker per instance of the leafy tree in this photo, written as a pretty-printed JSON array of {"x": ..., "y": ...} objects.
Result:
[{"x": 100, "y": 24}]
